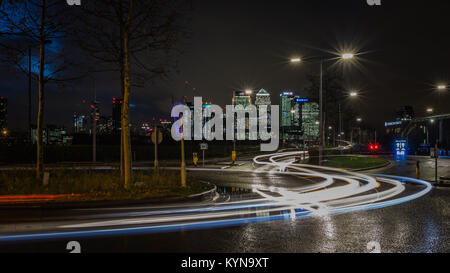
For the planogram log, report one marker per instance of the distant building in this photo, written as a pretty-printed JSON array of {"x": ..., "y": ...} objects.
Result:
[
  {"x": 290, "y": 119},
  {"x": 3, "y": 113},
  {"x": 262, "y": 98},
  {"x": 420, "y": 133},
  {"x": 241, "y": 98},
  {"x": 117, "y": 113},
  {"x": 53, "y": 135},
  {"x": 310, "y": 120},
  {"x": 80, "y": 123},
  {"x": 105, "y": 125}
]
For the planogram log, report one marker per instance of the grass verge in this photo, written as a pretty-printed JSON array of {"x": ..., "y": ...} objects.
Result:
[
  {"x": 93, "y": 185},
  {"x": 354, "y": 162}
]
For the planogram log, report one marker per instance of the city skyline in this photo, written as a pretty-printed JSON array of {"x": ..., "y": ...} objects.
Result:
[{"x": 382, "y": 92}]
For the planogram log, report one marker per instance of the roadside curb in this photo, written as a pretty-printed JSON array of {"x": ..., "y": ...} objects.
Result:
[
  {"x": 209, "y": 194},
  {"x": 371, "y": 168}
]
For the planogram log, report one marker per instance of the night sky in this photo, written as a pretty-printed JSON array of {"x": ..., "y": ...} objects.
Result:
[{"x": 240, "y": 44}]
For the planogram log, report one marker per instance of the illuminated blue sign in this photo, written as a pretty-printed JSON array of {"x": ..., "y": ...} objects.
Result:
[
  {"x": 389, "y": 124},
  {"x": 302, "y": 100},
  {"x": 400, "y": 147}
]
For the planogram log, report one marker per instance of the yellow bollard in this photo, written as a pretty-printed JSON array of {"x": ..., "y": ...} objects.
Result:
[
  {"x": 195, "y": 159},
  {"x": 233, "y": 156}
]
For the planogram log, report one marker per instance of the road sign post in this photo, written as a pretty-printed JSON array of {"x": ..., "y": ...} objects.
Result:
[
  {"x": 203, "y": 147},
  {"x": 157, "y": 138}
]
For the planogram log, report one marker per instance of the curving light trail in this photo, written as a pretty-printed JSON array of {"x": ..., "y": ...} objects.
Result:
[{"x": 326, "y": 191}]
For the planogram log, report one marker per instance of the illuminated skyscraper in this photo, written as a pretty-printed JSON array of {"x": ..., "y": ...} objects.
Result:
[
  {"x": 79, "y": 123},
  {"x": 262, "y": 98},
  {"x": 241, "y": 98},
  {"x": 290, "y": 120},
  {"x": 310, "y": 120}
]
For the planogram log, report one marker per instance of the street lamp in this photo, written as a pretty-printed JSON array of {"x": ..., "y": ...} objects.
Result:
[
  {"x": 353, "y": 94},
  {"x": 348, "y": 56},
  {"x": 430, "y": 110},
  {"x": 359, "y": 120},
  {"x": 442, "y": 87},
  {"x": 345, "y": 56}
]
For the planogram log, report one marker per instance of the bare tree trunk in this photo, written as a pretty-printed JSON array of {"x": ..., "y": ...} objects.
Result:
[
  {"x": 126, "y": 102},
  {"x": 122, "y": 91},
  {"x": 40, "y": 120}
]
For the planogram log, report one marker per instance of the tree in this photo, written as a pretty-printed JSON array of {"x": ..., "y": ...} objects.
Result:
[
  {"x": 36, "y": 23},
  {"x": 136, "y": 38},
  {"x": 334, "y": 95}
]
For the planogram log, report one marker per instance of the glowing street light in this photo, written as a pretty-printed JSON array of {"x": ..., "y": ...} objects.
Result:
[
  {"x": 442, "y": 87},
  {"x": 430, "y": 110},
  {"x": 348, "y": 56},
  {"x": 359, "y": 119},
  {"x": 248, "y": 92},
  {"x": 353, "y": 94},
  {"x": 4, "y": 132},
  {"x": 296, "y": 60}
]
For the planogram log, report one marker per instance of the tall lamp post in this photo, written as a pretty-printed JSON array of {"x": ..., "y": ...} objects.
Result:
[
  {"x": 345, "y": 56},
  {"x": 183, "y": 164},
  {"x": 29, "y": 92},
  {"x": 359, "y": 120}
]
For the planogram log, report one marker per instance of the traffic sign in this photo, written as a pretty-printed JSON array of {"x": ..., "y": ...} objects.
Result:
[
  {"x": 203, "y": 146},
  {"x": 160, "y": 137}
]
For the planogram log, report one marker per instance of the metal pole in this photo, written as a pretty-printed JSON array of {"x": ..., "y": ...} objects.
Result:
[
  {"x": 436, "y": 155},
  {"x": 94, "y": 141},
  {"x": 29, "y": 91},
  {"x": 156, "y": 148},
  {"x": 321, "y": 113},
  {"x": 183, "y": 165},
  {"x": 94, "y": 129},
  {"x": 340, "y": 126},
  {"x": 203, "y": 158}
]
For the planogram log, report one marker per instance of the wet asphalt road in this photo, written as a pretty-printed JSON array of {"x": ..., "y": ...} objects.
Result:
[{"x": 421, "y": 225}]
